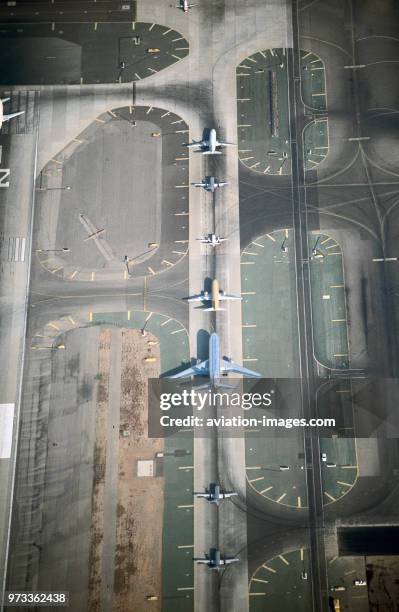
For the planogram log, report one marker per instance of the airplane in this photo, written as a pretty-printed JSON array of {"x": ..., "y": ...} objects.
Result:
[
  {"x": 209, "y": 146},
  {"x": 4, "y": 117},
  {"x": 215, "y": 560},
  {"x": 214, "y": 495},
  {"x": 215, "y": 367},
  {"x": 210, "y": 184},
  {"x": 212, "y": 239},
  {"x": 185, "y": 6},
  {"x": 215, "y": 296}
]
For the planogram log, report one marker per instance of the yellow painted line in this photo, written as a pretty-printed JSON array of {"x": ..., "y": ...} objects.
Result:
[
  {"x": 181, "y": 158},
  {"x": 350, "y": 572},
  {"x": 56, "y": 161},
  {"x": 185, "y": 588},
  {"x": 286, "y": 233},
  {"x": 54, "y": 326},
  {"x": 137, "y": 76},
  {"x": 329, "y": 496},
  {"x": 248, "y": 292},
  {"x": 338, "y": 320},
  {"x": 346, "y": 484},
  {"x": 93, "y": 274},
  {"x": 149, "y": 317},
  {"x": 131, "y": 109},
  {"x": 149, "y": 110},
  {"x": 307, "y": 55},
  {"x": 165, "y": 322},
  {"x": 269, "y": 569},
  {"x": 262, "y": 246},
  {"x": 249, "y": 325},
  {"x": 256, "y": 479},
  {"x": 340, "y": 355},
  {"x": 166, "y": 32},
  {"x": 151, "y": 26},
  {"x": 247, "y": 158},
  {"x": 73, "y": 274},
  {"x": 151, "y": 271},
  {"x": 254, "y": 165},
  {"x": 272, "y": 238},
  {"x": 334, "y": 253},
  {"x": 332, "y": 560},
  {"x": 343, "y": 391},
  {"x": 182, "y": 214},
  {"x": 254, "y": 467},
  {"x": 301, "y": 554},
  {"x": 247, "y": 263},
  {"x": 186, "y": 506},
  {"x": 318, "y": 94},
  {"x": 176, "y": 39},
  {"x": 71, "y": 320},
  {"x": 255, "y": 594},
  {"x": 245, "y": 150},
  {"x": 250, "y": 359},
  {"x": 165, "y": 114},
  {"x": 166, "y": 262},
  {"x": 260, "y": 580},
  {"x": 53, "y": 26},
  {"x": 40, "y": 336},
  {"x": 243, "y": 99},
  {"x": 186, "y": 546},
  {"x": 90, "y": 316},
  {"x": 279, "y": 499},
  {"x": 176, "y": 56},
  {"x": 129, "y": 315},
  {"x": 177, "y": 331},
  {"x": 181, "y": 186},
  {"x": 349, "y": 467},
  {"x": 326, "y": 240},
  {"x": 56, "y": 270},
  {"x": 299, "y": 502},
  {"x": 266, "y": 490},
  {"x": 249, "y": 253},
  {"x": 182, "y": 131},
  {"x": 181, "y": 241},
  {"x": 125, "y": 275},
  {"x": 179, "y": 252},
  {"x": 331, "y": 246},
  {"x": 99, "y": 120},
  {"x": 152, "y": 70},
  {"x": 243, "y": 74},
  {"x": 251, "y": 59},
  {"x": 284, "y": 560},
  {"x": 186, "y": 467},
  {"x": 266, "y": 169},
  {"x": 112, "y": 113},
  {"x": 337, "y": 286},
  {"x": 262, "y": 54},
  {"x": 177, "y": 121}
]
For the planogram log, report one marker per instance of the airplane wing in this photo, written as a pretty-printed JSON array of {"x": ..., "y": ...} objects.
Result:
[
  {"x": 199, "y": 369},
  {"x": 228, "y": 494},
  {"x": 12, "y": 115},
  {"x": 228, "y": 560},
  {"x": 201, "y": 560},
  {"x": 226, "y": 296},
  {"x": 225, "y": 144},
  {"x": 200, "y": 495},
  {"x": 193, "y": 144},
  {"x": 199, "y": 184},
  {"x": 231, "y": 366},
  {"x": 198, "y": 298}
]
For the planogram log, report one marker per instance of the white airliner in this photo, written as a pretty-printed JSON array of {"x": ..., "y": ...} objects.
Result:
[
  {"x": 215, "y": 296},
  {"x": 212, "y": 239},
  {"x": 209, "y": 146},
  {"x": 4, "y": 117},
  {"x": 185, "y": 6},
  {"x": 215, "y": 560},
  {"x": 210, "y": 184},
  {"x": 215, "y": 367},
  {"x": 214, "y": 495}
]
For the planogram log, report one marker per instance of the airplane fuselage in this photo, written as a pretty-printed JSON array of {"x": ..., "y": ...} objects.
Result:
[
  {"x": 214, "y": 358},
  {"x": 212, "y": 140}
]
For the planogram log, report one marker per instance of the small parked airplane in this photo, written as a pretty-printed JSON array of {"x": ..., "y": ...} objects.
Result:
[
  {"x": 4, "y": 117},
  {"x": 210, "y": 184},
  {"x": 210, "y": 145},
  {"x": 215, "y": 560},
  {"x": 185, "y": 6},
  {"x": 215, "y": 296},
  {"x": 214, "y": 495},
  {"x": 212, "y": 239}
]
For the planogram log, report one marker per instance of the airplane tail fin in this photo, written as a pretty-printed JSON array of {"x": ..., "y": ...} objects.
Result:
[{"x": 12, "y": 115}]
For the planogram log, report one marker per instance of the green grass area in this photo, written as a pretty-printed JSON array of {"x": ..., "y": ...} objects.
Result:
[
  {"x": 263, "y": 113},
  {"x": 263, "y": 460},
  {"x": 269, "y": 317},
  {"x": 278, "y": 585},
  {"x": 328, "y": 303}
]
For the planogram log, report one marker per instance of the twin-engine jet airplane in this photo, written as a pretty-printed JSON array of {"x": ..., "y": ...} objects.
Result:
[
  {"x": 4, "y": 117},
  {"x": 215, "y": 560},
  {"x": 212, "y": 239},
  {"x": 210, "y": 183},
  {"x": 215, "y": 367},
  {"x": 215, "y": 296},
  {"x": 214, "y": 495},
  {"x": 185, "y": 6},
  {"x": 210, "y": 145}
]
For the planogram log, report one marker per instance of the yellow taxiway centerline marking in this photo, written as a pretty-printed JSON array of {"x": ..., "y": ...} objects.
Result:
[
  {"x": 177, "y": 331},
  {"x": 151, "y": 271},
  {"x": 299, "y": 502},
  {"x": 54, "y": 326},
  {"x": 279, "y": 499},
  {"x": 151, "y": 26},
  {"x": 256, "y": 479},
  {"x": 247, "y": 263},
  {"x": 248, "y": 292},
  {"x": 129, "y": 313},
  {"x": 254, "y": 467},
  {"x": 93, "y": 274},
  {"x": 186, "y": 506},
  {"x": 265, "y": 490},
  {"x": 337, "y": 286},
  {"x": 165, "y": 322},
  {"x": 301, "y": 554},
  {"x": 329, "y": 496},
  {"x": 186, "y": 467},
  {"x": 269, "y": 569},
  {"x": 185, "y": 588},
  {"x": 272, "y": 238},
  {"x": 262, "y": 246},
  {"x": 332, "y": 560},
  {"x": 71, "y": 320},
  {"x": 349, "y": 467},
  {"x": 326, "y": 240},
  {"x": 346, "y": 484},
  {"x": 90, "y": 316},
  {"x": 284, "y": 560},
  {"x": 186, "y": 546},
  {"x": 260, "y": 580},
  {"x": 337, "y": 320}
]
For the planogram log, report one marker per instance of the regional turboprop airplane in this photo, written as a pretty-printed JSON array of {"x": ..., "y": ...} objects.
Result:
[
  {"x": 212, "y": 239},
  {"x": 215, "y": 560},
  {"x": 214, "y": 297},
  {"x": 209, "y": 146},
  {"x": 215, "y": 366},
  {"x": 210, "y": 184},
  {"x": 214, "y": 495},
  {"x": 185, "y": 6},
  {"x": 4, "y": 117}
]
